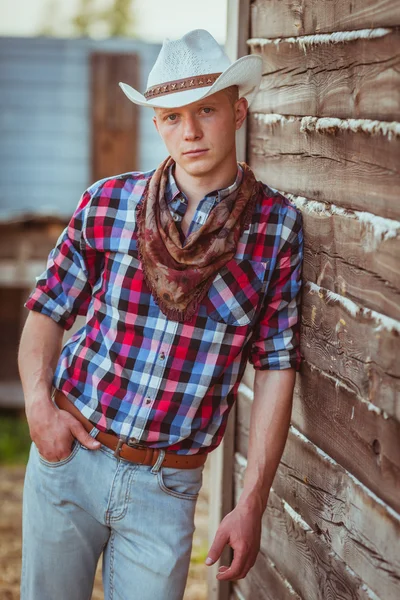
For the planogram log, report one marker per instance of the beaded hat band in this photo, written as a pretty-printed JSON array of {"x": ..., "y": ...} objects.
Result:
[{"x": 180, "y": 85}]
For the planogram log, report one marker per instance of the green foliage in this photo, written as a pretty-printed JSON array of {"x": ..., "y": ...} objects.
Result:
[
  {"x": 15, "y": 440},
  {"x": 118, "y": 17}
]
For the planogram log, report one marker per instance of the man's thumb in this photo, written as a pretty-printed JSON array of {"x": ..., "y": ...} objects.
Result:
[
  {"x": 217, "y": 546},
  {"x": 83, "y": 437}
]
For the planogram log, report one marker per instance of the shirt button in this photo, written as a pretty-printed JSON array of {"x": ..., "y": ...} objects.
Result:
[
  {"x": 148, "y": 400},
  {"x": 162, "y": 355},
  {"x": 176, "y": 217}
]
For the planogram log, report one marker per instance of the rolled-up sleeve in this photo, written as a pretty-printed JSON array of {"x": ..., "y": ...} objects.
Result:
[
  {"x": 276, "y": 341},
  {"x": 64, "y": 290}
]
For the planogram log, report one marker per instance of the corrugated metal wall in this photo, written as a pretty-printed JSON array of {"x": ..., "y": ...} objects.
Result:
[{"x": 45, "y": 124}]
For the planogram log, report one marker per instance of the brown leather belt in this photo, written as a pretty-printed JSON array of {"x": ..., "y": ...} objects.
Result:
[{"x": 143, "y": 456}]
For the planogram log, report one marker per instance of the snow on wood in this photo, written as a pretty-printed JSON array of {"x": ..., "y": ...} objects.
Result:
[
  {"x": 306, "y": 41},
  {"x": 378, "y": 229},
  {"x": 332, "y": 125},
  {"x": 383, "y": 322}
]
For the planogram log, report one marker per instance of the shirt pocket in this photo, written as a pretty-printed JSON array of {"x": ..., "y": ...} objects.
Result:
[{"x": 236, "y": 291}]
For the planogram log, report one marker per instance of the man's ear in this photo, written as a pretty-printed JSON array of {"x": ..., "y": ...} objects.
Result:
[
  {"x": 241, "y": 107},
  {"x": 155, "y": 122}
]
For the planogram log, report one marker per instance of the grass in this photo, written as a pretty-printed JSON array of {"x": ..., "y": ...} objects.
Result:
[{"x": 15, "y": 441}]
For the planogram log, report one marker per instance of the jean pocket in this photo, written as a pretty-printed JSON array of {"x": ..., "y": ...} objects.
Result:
[
  {"x": 55, "y": 464},
  {"x": 235, "y": 293},
  {"x": 181, "y": 483}
]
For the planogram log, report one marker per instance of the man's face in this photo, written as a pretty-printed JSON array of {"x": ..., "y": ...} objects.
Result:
[{"x": 200, "y": 136}]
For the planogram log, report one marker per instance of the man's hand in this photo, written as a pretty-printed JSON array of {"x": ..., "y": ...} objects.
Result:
[
  {"x": 53, "y": 430},
  {"x": 241, "y": 529}
]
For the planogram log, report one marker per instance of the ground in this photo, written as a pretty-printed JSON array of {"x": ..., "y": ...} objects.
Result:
[{"x": 11, "y": 484}]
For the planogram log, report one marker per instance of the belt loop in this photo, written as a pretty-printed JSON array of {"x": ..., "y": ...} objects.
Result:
[
  {"x": 159, "y": 461},
  {"x": 94, "y": 431}
]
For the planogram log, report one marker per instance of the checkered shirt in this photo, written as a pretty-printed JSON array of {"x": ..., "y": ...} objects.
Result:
[{"x": 131, "y": 370}]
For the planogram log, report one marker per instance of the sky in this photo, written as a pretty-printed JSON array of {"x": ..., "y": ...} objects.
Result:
[{"x": 156, "y": 19}]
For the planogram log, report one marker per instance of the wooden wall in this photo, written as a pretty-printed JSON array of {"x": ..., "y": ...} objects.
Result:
[{"x": 324, "y": 130}]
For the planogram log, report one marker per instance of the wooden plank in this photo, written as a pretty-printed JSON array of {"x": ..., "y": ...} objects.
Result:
[
  {"x": 274, "y": 18},
  {"x": 356, "y": 345},
  {"x": 265, "y": 582},
  {"x": 114, "y": 122},
  {"x": 337, "y": 77},
  {"x": 354, "y": 164},
  {"x": 301, "y": 555},
  {"x": 350, "y": 431},
  {"x": 362, "y": 530},
  {"x": 352, "y": 253},
  {"x": 354, "y": 433}
]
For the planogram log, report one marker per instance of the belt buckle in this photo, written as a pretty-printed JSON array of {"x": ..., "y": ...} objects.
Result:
[{"x": 126, "y": 441}]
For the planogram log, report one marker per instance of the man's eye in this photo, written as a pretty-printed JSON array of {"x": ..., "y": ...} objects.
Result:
[
  {"x": 207, "y": 109},
  {"x": 171, "y": 117}
]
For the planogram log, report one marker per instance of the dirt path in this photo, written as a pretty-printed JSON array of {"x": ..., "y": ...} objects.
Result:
[{"x": 11, "y": 483}]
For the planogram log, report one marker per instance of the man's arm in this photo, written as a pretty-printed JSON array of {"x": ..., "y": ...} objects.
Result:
[
  {"x": 62, "y": 291},
  {"x": 51, "y": 429},
  {"x": 269, "y": 426},
  {"x": 275, "y": 354}
]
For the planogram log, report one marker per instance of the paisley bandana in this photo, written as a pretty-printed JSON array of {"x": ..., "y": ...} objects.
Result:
[{"x": 180, "y": 276}]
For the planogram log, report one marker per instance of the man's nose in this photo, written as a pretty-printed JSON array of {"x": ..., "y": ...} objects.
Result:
[{"x": 192, "y": 129}]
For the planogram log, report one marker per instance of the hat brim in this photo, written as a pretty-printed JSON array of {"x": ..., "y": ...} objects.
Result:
[{"x": 245, "y": 72}]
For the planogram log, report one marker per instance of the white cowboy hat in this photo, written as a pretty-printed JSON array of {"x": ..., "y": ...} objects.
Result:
[{"x": 192, "y": 68}]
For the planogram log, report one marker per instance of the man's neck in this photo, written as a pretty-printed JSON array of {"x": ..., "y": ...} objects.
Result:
[{"x": 195, "y": 188}]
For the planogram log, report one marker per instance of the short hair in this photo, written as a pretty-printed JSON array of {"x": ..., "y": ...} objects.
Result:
[{"x": 232, "y": 92}]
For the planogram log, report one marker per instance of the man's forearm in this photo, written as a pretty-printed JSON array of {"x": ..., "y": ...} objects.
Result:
[
  {"x": 269, "y": 425},
  {"x": 38, "y": 353}
]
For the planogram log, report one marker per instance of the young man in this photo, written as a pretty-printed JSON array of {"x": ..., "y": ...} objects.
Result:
[{"x": 184, "y": 274}]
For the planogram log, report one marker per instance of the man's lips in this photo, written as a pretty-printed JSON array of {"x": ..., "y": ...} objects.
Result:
[{"x": 195, "y": 152}]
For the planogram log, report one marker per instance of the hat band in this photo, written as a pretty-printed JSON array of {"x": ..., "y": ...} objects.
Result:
[{"x": 181, "y": 85}]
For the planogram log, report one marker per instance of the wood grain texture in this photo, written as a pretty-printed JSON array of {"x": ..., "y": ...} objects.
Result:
[
  {"x": 356, "y": 78},
  {"x": 361, "y": 529},
  {"x": 357, "y": 346},
  {"x": 354, "y": 433},
  {"x": 350, "y": 431},
  {"x": 352, "y": 253},
  {"x": 265, "y": 582},
  {"x": 274, "y": 18},
  {"x": 314, "y": 571},
  {"x": 327, "y": 161}
]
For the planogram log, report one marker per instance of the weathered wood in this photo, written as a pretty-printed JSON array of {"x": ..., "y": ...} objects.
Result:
[
  {"x": 356, "y": 77},
  {"x": 356, "y": 345},
  {"x": 300, "y": 554},
  {"x": 352, "y": 253},
  {"x": 114, "y": 122},
  {"x": 350, "y": 163},
  {"x": 273, "y": 18},
  {"x": 265, "y": 582},
  {"x": 352, "y": 432},
  {"x": 361, "y": 529}
]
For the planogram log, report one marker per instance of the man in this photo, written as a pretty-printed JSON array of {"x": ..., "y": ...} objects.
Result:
[{"x": 184, "y": 274}]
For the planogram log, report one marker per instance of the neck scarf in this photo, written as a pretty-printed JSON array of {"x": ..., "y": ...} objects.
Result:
[{"x": 180, "y": 276}]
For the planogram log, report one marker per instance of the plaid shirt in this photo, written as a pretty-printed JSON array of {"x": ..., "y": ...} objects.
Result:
[{"x": 132, "y": 371}]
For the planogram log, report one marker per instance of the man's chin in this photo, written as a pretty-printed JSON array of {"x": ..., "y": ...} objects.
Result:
[{"x": 198, "y": 167}]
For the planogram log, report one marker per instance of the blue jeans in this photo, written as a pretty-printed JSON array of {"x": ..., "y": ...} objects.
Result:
[{"x": 140, "y": 517}]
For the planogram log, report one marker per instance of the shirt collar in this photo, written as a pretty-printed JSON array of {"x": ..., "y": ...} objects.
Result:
[{"x": 172, "y": 190}]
